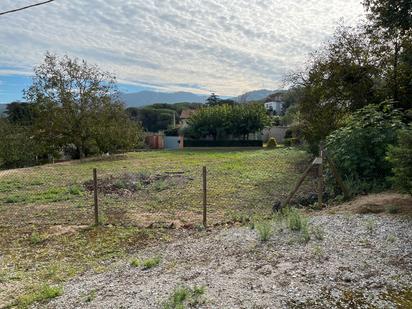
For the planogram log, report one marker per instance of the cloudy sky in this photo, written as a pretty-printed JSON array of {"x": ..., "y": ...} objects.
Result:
[{"x": 225, "y": 46}]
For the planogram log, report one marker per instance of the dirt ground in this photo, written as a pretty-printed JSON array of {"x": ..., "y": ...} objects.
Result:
[{"x": 357, "y": 257}]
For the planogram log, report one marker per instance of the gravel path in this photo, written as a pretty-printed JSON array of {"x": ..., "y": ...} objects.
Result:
[{"x": 363, "y": 261}]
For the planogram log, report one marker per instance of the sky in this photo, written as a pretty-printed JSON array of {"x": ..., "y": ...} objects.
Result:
[{"x": 202, "y": 46}]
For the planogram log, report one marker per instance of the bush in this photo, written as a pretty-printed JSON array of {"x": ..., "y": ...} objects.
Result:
[
  {"x": 272, "y": 143},
  {"x": 359, "y": 149},
  {"x": 401, "y": 158},
  {"x": 291, "y": 142}
]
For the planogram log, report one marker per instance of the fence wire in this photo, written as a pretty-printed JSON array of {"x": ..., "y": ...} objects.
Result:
[{"x": 151, "y": 190}]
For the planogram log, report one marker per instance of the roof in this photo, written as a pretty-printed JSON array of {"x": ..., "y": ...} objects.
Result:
[{"x": 187, "y": 113}]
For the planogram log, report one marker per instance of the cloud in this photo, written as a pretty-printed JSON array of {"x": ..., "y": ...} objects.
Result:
[{"x": 214, "y": 45}]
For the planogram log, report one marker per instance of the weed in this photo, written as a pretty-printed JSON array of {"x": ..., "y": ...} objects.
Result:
[
  {"x": 89, "y": 297},
  {"x": 264, "y": 230},
  {"x": 146, "y": 264},
  {"x": 370, "y": 225},
  {"x": 184, "y": 295},
  {"x": 36, "y": 238},
  {"x": 42, "y": 294},
  {"x": 160, "y": 185},
  {"x": 391, "y": 238},
  {"x": 305, "y": 236},
  {"x": 318, "y": 232},
  {"x": 294, "y": 219},
  {"x": 318, "y": 252},
  {"x": 75, "y": 190}
]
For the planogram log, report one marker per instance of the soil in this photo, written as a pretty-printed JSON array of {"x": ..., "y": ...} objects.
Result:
[
  {"x": 361, "y": 261},
  {"x": 129, "y": 183}
]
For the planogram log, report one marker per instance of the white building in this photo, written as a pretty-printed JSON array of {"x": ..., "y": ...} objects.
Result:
[{"x": 276, "y": 106}]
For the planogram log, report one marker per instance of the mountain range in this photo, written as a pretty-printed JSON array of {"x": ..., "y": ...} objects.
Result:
[{"x": 142, "y": 98}]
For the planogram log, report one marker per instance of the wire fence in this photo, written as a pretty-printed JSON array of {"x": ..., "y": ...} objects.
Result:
[{"x": 152, "y": 189}]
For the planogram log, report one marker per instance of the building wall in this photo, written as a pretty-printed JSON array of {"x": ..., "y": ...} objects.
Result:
[{"x": 277, "y": 132}]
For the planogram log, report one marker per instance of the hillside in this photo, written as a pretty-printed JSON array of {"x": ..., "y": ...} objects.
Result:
[{"x": 143, "y": 98}]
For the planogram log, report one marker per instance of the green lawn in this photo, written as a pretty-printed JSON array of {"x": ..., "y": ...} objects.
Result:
[{"x": 46, "y": 212}]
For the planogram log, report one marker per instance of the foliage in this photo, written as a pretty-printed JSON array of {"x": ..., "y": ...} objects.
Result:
[
  {"x": 390, "y": 14},
  {"x": 17, "y": 147},
  {"x": 219, "y": 121},
  {"x": 360, "y": 147},
  {"x": 401, "y": 158},
  {"x": 75, "y": 103},
  {"x": 272, "y": 143},
  {"x": 145, "y": 264},
  {"x": 20, "y": 113}
]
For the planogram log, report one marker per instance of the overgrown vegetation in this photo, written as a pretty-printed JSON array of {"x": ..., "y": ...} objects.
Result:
[
  {"x": 359, "y": 149},
  {"x": 147, "y": 263}
]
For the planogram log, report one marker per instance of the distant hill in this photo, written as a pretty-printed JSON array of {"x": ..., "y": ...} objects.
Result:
[
  {"x": 255, "y": 95},
  {"x": 2, "y": 109},
  {"x": 143, "y": 98}
]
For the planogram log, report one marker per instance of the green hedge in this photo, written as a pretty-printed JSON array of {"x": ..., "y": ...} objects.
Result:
[{"x": 222, "y": 143}]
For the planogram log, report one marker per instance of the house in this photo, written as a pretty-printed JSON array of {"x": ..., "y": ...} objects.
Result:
[
  {"x": 275, "y": 103},
  {"x": 275, "y": 106},
  {"x": 185, "y": 115}
]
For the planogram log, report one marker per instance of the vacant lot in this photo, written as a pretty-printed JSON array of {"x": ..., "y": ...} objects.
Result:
[
  {"x": 333, "y": 260},
  {"x": 46, "y": 232}
]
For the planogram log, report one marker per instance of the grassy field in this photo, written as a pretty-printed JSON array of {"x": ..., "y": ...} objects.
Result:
[{"x": 46, "y": 219}]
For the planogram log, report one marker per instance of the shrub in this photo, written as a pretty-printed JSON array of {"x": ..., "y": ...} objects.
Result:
[
  {"x": 272, "y": 143},
  {"x": 359, "y": 149},
  {"x": 291, "y": 142},
  {"x": 401, "y": 158}
]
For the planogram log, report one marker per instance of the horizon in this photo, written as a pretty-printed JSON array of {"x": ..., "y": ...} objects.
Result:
[{"x": 228, "y": 49}]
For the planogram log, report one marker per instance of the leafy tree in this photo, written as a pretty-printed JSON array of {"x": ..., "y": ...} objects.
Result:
[
  {"x": 390, "y": 14},
  {"x": 400, "y": 156},
  {"x": 72, "y": 104},
  {"x": 359, "y": 148},
  {"x": 20, "y": 113},
  {"x": 17, "y": 147},
  {"x": 222, "y": 120}
]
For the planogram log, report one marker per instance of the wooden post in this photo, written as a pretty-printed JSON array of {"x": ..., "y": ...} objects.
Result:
[
  {"x": 320, "y": 175},
  {"x": 204, "y": 197},
  {"x": 338, "y": 178},
  {"x": 298, "y": 184},
  {"x": 96, "y": 204}
]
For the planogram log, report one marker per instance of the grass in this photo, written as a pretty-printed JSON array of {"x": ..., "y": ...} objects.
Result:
[
  {"x": 264, "y": 230},
  {"x": 42, "y": 294},
  {"x": 147, "y": 263},
  {"x": 185, "y": 296},
  {"x": 50, "y": 203}
]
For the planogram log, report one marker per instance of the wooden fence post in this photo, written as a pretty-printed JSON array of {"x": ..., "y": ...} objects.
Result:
[
  {"x": 96, "y": 202},
  {"x": 298, "y": 184},
  {"x": 204, "y": 197}
]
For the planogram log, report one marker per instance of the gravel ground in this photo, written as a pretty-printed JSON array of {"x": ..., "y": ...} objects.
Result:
[{"x": 363, "y": 261}]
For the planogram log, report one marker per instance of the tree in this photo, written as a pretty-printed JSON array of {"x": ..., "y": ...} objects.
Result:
[
  {"x": 390, "y": 14},
  {"x": 212, "y": 100},
  {"x": 20, "y": 113},
  {"x": 222, "y": 121},
  {"x": 73, "y": 102}
]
